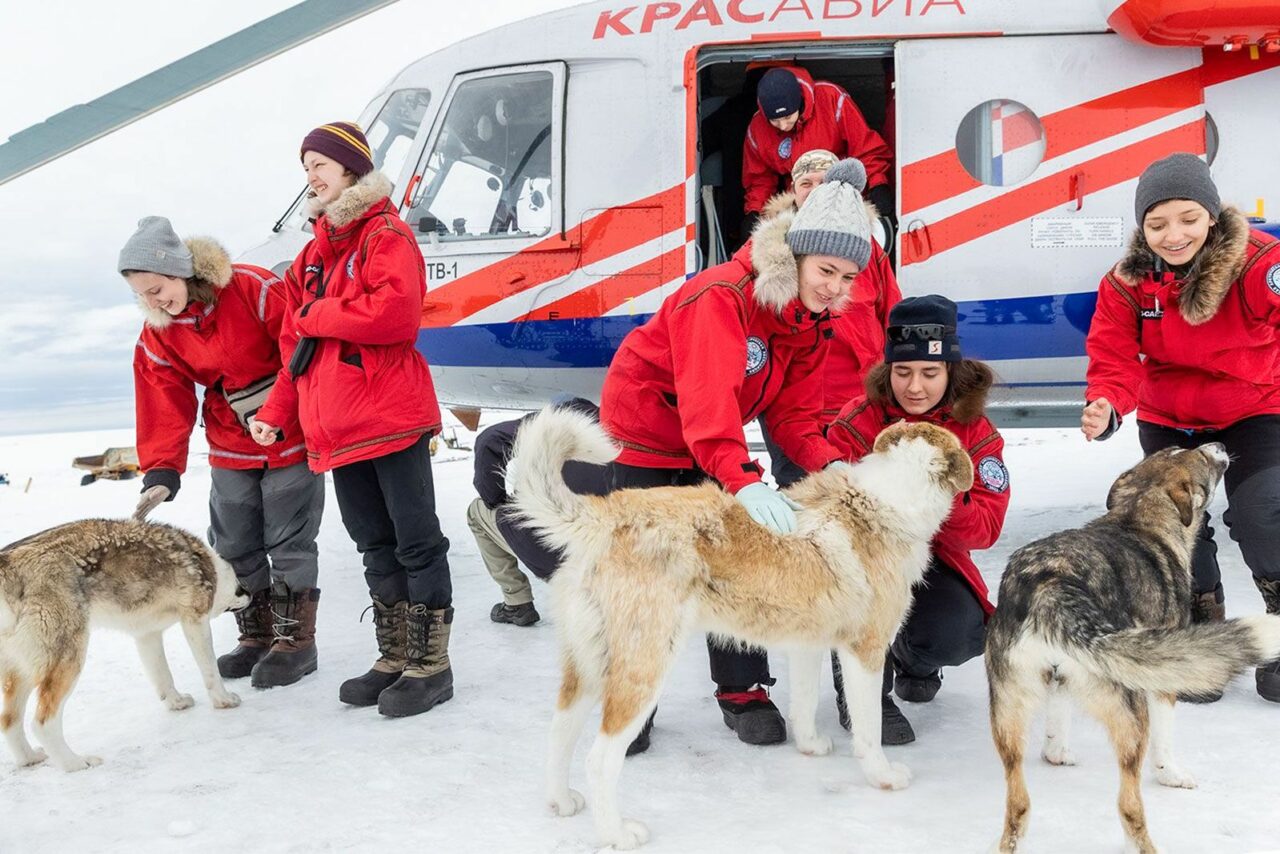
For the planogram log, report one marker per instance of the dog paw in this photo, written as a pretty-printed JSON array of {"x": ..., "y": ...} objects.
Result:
[
  {"x": 814, "y": 745},
  {"x": 178, "y": 702},
  {"x": 1174, "y": 777},
  {"x": 893, "y": 777},
  {"x": 224, "y": 699},
  {"x": 1058, "y": 754},
  {"x": 33, "y": 758},
  {"x": 80, "y": 763},
  {"x": 631, "y": 835},
  {"x": 569, "y": 803}
]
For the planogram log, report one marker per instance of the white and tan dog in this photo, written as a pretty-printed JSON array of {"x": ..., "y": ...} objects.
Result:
[
  {"x": 138, "y": 577},
  {"x": 644, "y": 568}
]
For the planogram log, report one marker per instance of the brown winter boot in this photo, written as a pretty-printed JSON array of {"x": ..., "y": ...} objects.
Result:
[
  {"x": 293, "y": 652},
  {"x": 254, "y": 621},
  {"x": 427, "y": 679},
  {"x": 390, "y": 625},
  {"x": 1268, "y": 675},
  {"x": 1207, "y": 607}
]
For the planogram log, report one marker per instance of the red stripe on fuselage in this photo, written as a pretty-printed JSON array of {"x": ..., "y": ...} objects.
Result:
[
  {"x": 609, "y": 293},
  {"x": 550, "y": 259},
  {"x": 1047, "y": 193}
]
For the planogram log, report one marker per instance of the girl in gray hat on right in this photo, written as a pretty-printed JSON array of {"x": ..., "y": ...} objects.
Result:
[{"x": 1187, "y": 331}]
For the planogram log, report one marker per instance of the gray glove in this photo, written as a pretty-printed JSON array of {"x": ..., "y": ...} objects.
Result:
[
  {"x": 769, "y": 507},
  {"x": 152, "y": 497}
]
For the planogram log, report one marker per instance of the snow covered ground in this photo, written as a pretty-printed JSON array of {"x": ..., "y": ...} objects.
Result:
[{"x": 294, "y": 770}]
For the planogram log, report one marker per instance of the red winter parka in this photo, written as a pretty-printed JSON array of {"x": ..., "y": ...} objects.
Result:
[
  {"x": 977, "y": 516},
  {"x": 732, "y": 343},
  {"x": 225, "y": 340},
  {"x": 1211, "y": 340},
  {"x": 859, "y": 329},
  {"x": 830, "y": 120},
  {"x": 367, "y": 391}
]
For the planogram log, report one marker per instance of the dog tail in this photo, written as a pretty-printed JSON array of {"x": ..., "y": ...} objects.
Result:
[
  {"x": 8, "y": 619},
  {"x": 1196, "y": 659},
  {"x": 535, "y": 478}
]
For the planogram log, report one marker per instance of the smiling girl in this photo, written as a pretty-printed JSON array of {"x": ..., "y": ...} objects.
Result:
[{"x": 1187, "y": 331}]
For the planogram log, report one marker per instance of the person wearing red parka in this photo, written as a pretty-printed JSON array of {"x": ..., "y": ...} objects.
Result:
[
  {"x": 1187, "y": 331},
  {"x": 739, "y": 340},
  {"x": 924, "y": 377},
  {"x": 797, "y": 115},
  {"x": 214, "y": 324},
  {"x": 368, "y": 410}
]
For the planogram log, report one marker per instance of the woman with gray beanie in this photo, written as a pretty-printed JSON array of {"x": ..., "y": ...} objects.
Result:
[
  {"x": 1187, "y": 331},
  {"x": 741, "y": 339},
  {"x": 214, "y": 324}
]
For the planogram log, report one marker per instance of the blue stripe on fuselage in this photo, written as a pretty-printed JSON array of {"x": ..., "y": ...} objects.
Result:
[{"x": 1019, "y": 328}]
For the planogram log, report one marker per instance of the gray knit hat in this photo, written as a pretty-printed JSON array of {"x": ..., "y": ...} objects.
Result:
[
  {"x": 834, "y": 219},
  {"x": 1178, "y": 176},
  {"x": 156, "y": 248}
]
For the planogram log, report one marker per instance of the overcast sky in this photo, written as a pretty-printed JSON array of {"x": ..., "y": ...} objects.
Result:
[{"x": 222, "y": 162}]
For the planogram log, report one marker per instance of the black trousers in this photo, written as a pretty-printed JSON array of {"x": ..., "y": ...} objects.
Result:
[
  {"x": 783, "y": 470},
  {"x": 736, "y": 666},
  {"x": 1253, "y": 494},
  {"x": 946, "y": 627},
  {"x": 388, "y": 506}
]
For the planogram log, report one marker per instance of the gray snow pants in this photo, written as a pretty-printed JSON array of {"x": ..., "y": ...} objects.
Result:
[{"x": 264, "y": 523}]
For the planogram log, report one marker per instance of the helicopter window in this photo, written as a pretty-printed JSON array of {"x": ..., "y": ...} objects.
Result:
[
  {"x": 489, "y": 174},
  {"x": 1000, "y": 142},
  {"x": 391, "y": 132}
]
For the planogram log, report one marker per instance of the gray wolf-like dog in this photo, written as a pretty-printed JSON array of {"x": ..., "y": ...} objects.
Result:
[
  {"x": 138, "y": 577},
  {"x": 646, "y": 567},
  {"x": 1103, "y": 614}
]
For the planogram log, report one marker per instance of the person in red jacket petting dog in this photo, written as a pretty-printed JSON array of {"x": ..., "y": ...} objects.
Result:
[
  {"x": 1187, "y": 331},
  {"x": 740, "y": 339},
  {"x": 924, "y": 377},
  {"x": 213, "y": 324},
  {"x": 368, "y": 411},
  {"x": 797, "y": 115}
]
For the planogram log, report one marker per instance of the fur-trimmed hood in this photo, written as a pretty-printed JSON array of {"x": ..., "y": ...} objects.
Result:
[
  {"x": 1216, "y": 266},
  {"x": 212, "y": 267},
  {"x": 777, "y": 275},
  {"x": 353, "y": 201}
]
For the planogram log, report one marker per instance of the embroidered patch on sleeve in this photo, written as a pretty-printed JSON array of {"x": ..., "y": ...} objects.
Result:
[
  {"x": 1273, "y": 279},
  {"x": 757, "y": 355},
  {"x": 993, "y": 474}
]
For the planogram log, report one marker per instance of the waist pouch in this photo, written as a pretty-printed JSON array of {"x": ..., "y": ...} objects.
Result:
[{"x": 246, "y": 402}]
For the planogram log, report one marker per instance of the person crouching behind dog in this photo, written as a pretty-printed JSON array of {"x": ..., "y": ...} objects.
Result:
[
  {"x": 503, "y": 543},
  {"x": 368, "y": 411},
  {"x": 924, "y": 377},
  {"x": 1187, "y": 331},
  {"x": 213, "y": 324},
  {"x": 743, "y": 338}
]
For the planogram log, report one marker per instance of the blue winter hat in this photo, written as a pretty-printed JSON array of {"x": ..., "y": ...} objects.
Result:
[
  {"x": 922, "y": 329},
  {"x": 779, "y": 94}
]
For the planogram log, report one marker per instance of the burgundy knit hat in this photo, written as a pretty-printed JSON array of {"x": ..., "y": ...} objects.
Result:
[{"x": 344, "y": 142}]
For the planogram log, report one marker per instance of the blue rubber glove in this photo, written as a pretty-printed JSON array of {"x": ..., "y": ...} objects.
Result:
[
  {"x": 769, "y": 507},
  {"x": 840, "y": 466}
]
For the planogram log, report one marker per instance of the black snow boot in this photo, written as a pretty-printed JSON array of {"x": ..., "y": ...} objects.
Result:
[
  {"x": 641, "y": 742},
  {"x": 390, "y": 625},
  {"x": 1207, "y": 607},
  {"x": 751, "y": 714},
  {"x": 254, "y": 621},
  {"x": 427, "y": 679},
  {"x": 293, "y": 651},
  {"x": 895, "y": 729},
  {"x": 915, "y": 689},
  {"x": 1268, "y": 675},
  {"x": 516, "y": 615}
]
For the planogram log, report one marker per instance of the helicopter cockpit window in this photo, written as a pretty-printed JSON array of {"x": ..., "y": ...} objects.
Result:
[
  {"x": 391, "y": 132},
  {"x": 489, "y": 174}
]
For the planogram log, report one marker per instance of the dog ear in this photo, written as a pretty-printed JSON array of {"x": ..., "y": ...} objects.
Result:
[
  {"x": 890, "y": 436},
  {"x": 1116, "y": 488},
  {"x": 1188, "y": 498},
  {"x": 959, "y": 473}
]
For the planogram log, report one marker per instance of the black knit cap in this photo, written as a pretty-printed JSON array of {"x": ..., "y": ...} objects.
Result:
[
  {"x": 922, "y": 329},
  {"x": 779, "y": 94}
]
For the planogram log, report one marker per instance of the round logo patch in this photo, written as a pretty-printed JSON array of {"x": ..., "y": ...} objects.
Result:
[
  {"x": 757, "y": 355},
  {"x": 1273, "y": 279},
  {"x": 784, "y": 148},
  {"x": 351, "y": 265},
  {"x": 993, "y": 474}
]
